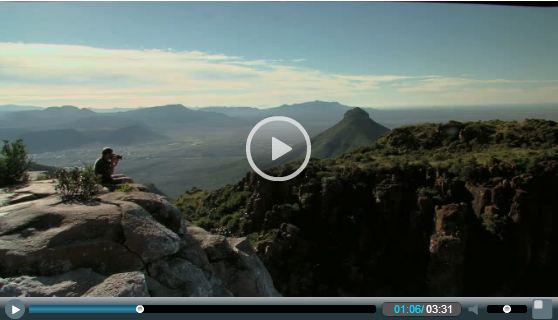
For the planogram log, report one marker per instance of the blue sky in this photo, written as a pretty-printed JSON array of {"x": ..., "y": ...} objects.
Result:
[{"x": 264, "y": 54}]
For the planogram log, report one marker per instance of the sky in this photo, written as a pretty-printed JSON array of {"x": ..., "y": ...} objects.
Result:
[{"x": 132, "y": 54}]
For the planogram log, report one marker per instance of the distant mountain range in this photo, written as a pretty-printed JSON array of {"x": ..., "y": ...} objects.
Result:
[
  {"x": 177, "y": 147},
  {"x": 14, "y": 108},
  {"x": 59, "y": 128},
  {"x": 323, "y": 114},
  {"x": 316, "y": 116}
]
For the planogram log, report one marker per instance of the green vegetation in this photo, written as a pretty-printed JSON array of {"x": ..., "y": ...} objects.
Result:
[
  {"x": 228, "y": 214},
  {"x": 77, "y": 184},
  {"x": 125, "y": 187},
  {"x": 472, "y": 153},
  {"x": 14, "y": 163},
  {"x": 460, "y": 149}
]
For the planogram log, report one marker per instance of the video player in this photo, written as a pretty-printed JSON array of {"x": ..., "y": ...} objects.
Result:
[{"x": 278, "y": 160}]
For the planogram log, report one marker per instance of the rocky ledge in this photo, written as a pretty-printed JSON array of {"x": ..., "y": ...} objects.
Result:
[{"x": 122, "y": 244}]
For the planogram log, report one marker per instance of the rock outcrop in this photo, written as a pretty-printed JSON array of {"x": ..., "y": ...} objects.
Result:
[
  {"x": 122, "y": 244},
  {"x": 462, "y": 209}
]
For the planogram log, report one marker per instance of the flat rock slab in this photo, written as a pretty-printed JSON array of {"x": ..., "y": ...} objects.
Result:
[
  {"x": 40, "y": 188},
  {"x": 71, "y": 284},
  {"x": 38, "y": 238},
  {"x": 29, "y": 192},
  {"x": 127, "y": 284}
]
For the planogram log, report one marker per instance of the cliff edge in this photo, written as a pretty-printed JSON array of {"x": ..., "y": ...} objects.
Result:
[{"x": 121, "y": 244}]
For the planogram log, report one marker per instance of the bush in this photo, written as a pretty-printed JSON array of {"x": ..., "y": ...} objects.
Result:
[
  {"x": 14, "y": 163},
  {"x": 125, "y": 187},
  {"x": 77, "y": 184}
]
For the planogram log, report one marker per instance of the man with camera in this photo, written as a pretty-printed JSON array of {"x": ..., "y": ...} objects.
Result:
[{"x": 104, "y": 168}]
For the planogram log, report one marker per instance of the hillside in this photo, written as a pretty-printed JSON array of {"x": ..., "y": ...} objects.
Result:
[
  {"x": 177, "y": 115},
  {"x": 200, "y": 147},
  {"x": 125, "y": 244},
  {"x": 356, "y": 129},
  {"x": 59, "y": 139},
  {"x": 51, "y": 117},
  {"x": 456, "y": 209}
]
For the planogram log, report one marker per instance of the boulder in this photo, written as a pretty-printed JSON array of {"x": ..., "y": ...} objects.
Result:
[
  {"x": 156, "y": 205},
  {"x": 215, "y": 246},
  {"x": 182, "y": 275},
  {"x": 156, "y": 289},
  {"x": 42, "y": 238},
  {"x": 234, "y": 261},
  {"x": 145, "y": 236},
  {"x": 247, "y": 276},
  {"x": 127, "y": 284},
  {"x": 193, "y": 252}
]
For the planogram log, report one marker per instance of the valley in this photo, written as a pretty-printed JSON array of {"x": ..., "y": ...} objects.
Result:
[{"x": 177, "y": 148}]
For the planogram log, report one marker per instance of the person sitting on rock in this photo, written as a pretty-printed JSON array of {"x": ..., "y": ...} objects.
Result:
[{"x": 104, "y": 169}]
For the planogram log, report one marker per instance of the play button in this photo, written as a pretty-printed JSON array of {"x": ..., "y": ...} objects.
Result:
[
  {"x": 289, "y": 143},
  {"x": 14, "y": 309},
  {"x": 279, "y": 148}
]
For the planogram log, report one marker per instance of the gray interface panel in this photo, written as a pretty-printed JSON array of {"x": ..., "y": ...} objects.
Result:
[{"x": 279, "y": 308}]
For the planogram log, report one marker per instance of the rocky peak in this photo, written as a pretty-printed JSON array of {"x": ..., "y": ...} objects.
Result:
[
  {"x": 356, "y": 114},
  {"x": 123, "y": 244}
]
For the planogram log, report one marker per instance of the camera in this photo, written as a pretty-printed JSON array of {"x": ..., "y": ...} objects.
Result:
[{"x": 117, "y": 156}]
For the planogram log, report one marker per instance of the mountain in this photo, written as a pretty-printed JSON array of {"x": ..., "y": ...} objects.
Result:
[
  {"x": 237, "y": 112},
  {"x": 60, "y": 139},
  {"x": 177, "y": 114},
  {"x": 160, "y": 117},
  {"x": 52, "y": 117},
  {"x": 437, "y": 203},
  {"x": 111, "y": 110},
  {"x": 356, "y": 129},
  {"x": 315, "y": 116},
  {"x": 319, "y": 115},
  {"x": 15, "y": 108}
]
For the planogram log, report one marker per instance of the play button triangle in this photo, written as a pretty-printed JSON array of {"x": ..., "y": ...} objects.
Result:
[
  {"x": 15, "y": 309},
  {"x": 278, "y": 148}
]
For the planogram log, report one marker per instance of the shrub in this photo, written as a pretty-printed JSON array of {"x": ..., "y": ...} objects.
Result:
[
  {"x": 125, "y": 187},
  {"x": 205, "y": 223},
  {"x": 77, "y": 184},
  {"x": 14, "y": 163}
]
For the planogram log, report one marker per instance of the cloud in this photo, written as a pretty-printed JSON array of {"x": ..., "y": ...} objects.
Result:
[{"x": 48, "y": 74}]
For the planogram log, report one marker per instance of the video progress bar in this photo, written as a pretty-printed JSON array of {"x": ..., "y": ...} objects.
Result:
[
  {"x": 108, "y": 309},
  {"x": 85, "y": 309},
  {"x": 260, "y": 309}
]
